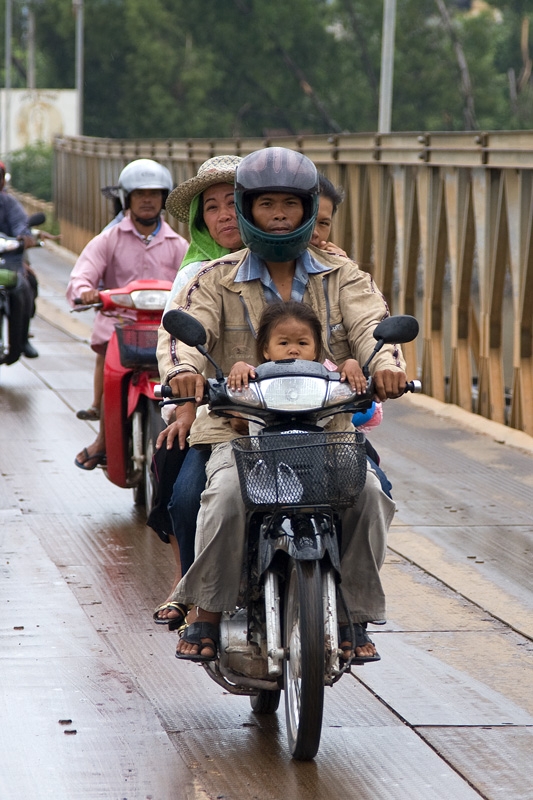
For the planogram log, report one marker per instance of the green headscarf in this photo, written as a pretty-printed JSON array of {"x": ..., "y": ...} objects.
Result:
[{"x": 202, "y": 247}]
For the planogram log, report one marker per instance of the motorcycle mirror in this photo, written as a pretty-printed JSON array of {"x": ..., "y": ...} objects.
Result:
[
  {"x": 36, "y": 219},
  {"x": 184, "y": 327},
  {"x": 397, "y": 330},
  {"x": 191, "y": 332},
  {"x": 393, "y": 330}
]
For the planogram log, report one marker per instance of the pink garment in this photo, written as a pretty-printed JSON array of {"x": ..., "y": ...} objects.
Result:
[{"x": 117, "y": 256}]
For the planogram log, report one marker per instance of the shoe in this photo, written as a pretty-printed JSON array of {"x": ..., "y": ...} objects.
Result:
[
  {"x": 98, "y": 458},
  {"x": 30, "y": 351},
  {"x": 193, "y": 634},
  {"x": 174, "y": 623},
  {"x": 92, "y": 413},
  {"x": 361, "y": 638}
]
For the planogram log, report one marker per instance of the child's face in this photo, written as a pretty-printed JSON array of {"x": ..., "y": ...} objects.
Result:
[
  {"x": 277, "y": 212},
  {"x": 291, "y": 338}
]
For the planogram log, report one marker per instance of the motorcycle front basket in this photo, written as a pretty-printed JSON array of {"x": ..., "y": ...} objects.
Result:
[
  {"x": 137, "y": 346},
  {"x": 301, "y": 469}
]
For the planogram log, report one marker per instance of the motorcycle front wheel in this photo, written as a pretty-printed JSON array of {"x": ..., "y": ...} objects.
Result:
[{"x": 304, "y": 664}]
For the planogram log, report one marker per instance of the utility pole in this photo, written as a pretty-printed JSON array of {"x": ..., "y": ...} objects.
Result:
[
  {"x": 6, "y": 121},
  {"x": 387, "y": 66},
  {"x": 77, "y": 5},
  {"x": 30, "y": 78}
]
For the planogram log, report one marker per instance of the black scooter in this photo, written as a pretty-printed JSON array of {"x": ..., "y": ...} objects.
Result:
[
  {"x": 295, "y": 480},
  {"x": 16, "y": 301}
]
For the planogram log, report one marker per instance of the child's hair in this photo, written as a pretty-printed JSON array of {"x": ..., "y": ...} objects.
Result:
[
  {"x": 327, "y": 189},
  {"x": 275, "y": 313}
]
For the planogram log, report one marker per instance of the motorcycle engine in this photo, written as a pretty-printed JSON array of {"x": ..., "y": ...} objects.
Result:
[{"x": 237, "y": 654}]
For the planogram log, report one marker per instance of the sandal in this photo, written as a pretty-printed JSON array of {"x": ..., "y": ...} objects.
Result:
[
  {"x": 361, "y": 638},
  {"x": 98, "y": 458},
  {"x": 193, "y": 634},
  {"x": 174, "y": 623},
  {"x": 92, "y": 413}
]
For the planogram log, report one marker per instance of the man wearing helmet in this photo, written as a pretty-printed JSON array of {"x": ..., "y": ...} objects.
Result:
[
  {"x": 141, "y": 246},
  {"x": 276, "y": 200}
]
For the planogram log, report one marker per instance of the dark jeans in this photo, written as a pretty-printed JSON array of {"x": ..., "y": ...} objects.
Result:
[
  {"x": 21, "y": 299},
  {"x": 185, "y": 502}
]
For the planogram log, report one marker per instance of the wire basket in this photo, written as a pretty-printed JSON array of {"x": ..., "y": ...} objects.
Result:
[
  {"x": 301, "y": 469},
  {"x": 137, "y": 346}
]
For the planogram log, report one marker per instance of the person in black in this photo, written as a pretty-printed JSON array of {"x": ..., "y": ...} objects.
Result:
[{"x": 14, "y": 222}]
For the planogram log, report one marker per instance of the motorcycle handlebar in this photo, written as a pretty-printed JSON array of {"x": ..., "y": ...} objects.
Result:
[{"x": 161, "y": 391}]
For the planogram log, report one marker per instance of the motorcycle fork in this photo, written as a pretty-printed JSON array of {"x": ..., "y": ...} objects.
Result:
[
  {"x": 329, "y": 599},
  {"x": 275, "y": 650},
  {"x": 137, "y": 456}
]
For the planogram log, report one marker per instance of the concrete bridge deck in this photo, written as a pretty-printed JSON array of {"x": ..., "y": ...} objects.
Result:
[{"x": 95, "y": 706}]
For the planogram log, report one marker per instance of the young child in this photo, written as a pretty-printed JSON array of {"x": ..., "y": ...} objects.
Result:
[{"x": 292, "y": 330}]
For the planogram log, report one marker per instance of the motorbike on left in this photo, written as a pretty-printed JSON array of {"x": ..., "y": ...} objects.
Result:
[
  {"x": 15, "y": 302},
  {"x": 132, "y": 418}
]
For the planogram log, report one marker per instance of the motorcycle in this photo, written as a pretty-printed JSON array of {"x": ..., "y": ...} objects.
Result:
[
  {"x": 132, "y": 418},
  {"x": 15, "y": 298},
  {"x": 295, "y": 480}
]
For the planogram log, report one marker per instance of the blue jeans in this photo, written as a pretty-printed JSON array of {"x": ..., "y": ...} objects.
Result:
[{"x": 185, "y": 502}]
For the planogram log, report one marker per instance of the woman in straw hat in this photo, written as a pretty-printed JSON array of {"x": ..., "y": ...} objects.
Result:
[{"x": 206, "y": 203}]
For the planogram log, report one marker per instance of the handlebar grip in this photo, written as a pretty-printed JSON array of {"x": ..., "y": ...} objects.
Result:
[
  {"x": 413, "y": 386},
  {"x": 161, "y": 390}
]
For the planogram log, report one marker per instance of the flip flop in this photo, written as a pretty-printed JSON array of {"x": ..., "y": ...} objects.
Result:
[
  {"x": 92, "y": 413},
  {"x": 193, "y": 634},
  {"x": 98, "y": 458},
  {"x": 361, "y": 638},
  {"x": 174, "y": 622}
]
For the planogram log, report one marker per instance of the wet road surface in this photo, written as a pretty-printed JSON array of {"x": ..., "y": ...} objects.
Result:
[{"x": 95, "y": 706}]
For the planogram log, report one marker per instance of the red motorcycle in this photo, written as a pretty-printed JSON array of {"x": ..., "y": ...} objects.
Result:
[{"x": 132, "y": 416}]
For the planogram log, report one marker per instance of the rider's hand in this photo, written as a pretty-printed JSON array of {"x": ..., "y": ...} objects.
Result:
[
  {"x": 89, "y": 296},
  {"x": 28, "y": 241},
  {"x": 185, "y": 416},
  {"x": 188, "y": 384},
  {"x": 239, "y": 376},
  {"x": 388, "y": 383},
  {"x": 334, "y": 249}
]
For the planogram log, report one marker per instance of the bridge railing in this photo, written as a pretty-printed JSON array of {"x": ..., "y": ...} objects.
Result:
[{"x": 444, "y": 222}]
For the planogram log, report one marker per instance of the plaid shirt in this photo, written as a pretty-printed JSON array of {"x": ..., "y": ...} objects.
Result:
[{"x": 254, "y": 268}]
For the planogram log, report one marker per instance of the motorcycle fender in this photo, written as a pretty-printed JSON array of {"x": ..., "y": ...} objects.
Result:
[
  {"x": 142, "y": 385},
  {"x": 311, "y": 548}
]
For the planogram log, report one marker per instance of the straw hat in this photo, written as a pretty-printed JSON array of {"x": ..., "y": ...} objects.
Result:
[{"x": 219, "y": 169}]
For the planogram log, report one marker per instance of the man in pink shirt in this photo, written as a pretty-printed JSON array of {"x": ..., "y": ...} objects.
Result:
[{"x": 142, "y": 246}]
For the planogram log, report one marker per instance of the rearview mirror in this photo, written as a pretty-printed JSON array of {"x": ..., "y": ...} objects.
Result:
[
  {"x": 184, "y": 327},
  {"x": 397, "y": 330}
]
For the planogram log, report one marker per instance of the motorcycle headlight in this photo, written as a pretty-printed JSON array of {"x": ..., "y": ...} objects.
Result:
[
  {"x": 339, "y": 393},
  {"x": 144, "y": 299},
  {"x": 6, "y": 245},
  {"x": 250, "y": 396},
  {"x": 294, "y": 393}
]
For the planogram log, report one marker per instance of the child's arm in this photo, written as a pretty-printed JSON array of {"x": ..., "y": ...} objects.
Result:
[
  {"x": 239, "y": 376},
  {"x": 352, "y": 373}
]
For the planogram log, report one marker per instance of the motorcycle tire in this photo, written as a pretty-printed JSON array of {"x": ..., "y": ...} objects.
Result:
[
  {"x": 265, "y": 701},
  {"x": 304, "y": 666},
  {"x": 144, "y": 492}
]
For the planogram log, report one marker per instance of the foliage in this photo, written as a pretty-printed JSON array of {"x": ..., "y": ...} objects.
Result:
[
  {"x": 32, "y": 170},
  {"x": 176, "y": 69}
]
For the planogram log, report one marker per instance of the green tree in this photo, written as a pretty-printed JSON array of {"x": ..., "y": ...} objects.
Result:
[{"x": 176, "y": 69}]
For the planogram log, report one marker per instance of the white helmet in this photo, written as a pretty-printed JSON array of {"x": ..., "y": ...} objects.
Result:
[{"x": 143, "y": 174}]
